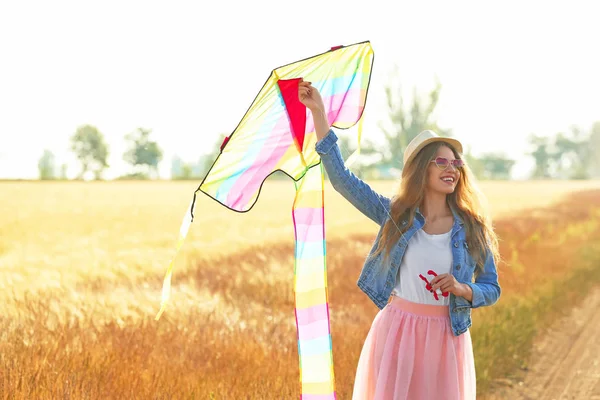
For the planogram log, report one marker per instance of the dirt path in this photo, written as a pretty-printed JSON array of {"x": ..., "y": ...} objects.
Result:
[{"x": 566, "y": 360}]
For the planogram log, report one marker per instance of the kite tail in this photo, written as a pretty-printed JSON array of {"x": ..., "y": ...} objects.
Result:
[
  {"x": 183, "y": 231},
  {"x": 317, "y": 378}
]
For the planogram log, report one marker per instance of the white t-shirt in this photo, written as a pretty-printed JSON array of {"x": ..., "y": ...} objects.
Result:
[{"x": 424, "y": 254}]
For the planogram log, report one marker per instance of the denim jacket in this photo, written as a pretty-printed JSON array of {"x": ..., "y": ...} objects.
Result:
[{"x": 377, "y": 280}]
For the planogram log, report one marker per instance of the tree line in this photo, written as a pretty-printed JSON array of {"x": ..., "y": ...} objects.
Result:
[
  {"x": 142, "y": 154},
  {"x": 574, "y": 154}
]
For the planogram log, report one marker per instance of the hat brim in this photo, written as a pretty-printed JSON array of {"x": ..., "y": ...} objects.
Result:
[{"x": 454, "y": 142}]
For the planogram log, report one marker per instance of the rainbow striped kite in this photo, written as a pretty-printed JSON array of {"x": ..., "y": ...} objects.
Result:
[{"x": 277, "y": 134}]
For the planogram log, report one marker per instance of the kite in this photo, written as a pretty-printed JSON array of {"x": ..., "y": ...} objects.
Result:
[{"x": 277, "y": 134}]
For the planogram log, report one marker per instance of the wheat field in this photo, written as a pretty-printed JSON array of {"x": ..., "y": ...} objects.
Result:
[{"x": 82, "y": 263}]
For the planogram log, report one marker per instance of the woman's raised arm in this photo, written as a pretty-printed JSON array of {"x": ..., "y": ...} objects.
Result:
[{"x": 356, "y": 191}]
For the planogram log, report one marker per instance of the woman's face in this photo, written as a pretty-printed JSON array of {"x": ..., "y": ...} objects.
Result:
[{"x": 437, "y": 178}]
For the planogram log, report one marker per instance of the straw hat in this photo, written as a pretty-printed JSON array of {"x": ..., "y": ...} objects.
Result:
[{"x": 422, "y": 140}]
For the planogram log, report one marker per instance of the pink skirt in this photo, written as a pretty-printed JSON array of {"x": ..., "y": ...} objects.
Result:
[{"x": 410, "y": 353}]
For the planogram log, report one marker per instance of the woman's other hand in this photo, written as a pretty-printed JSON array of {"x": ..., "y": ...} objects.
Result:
[{"x": 448, "y": 283}]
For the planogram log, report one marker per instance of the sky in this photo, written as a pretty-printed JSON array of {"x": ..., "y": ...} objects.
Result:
[{"x": 189, "y": 70}]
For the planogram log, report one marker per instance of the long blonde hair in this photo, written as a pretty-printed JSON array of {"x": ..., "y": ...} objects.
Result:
[{"x": 467, "y": 200}]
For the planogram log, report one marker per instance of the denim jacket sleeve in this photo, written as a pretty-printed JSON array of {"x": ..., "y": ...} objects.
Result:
[
  {"x": 486, "y": 289},
  {"x": 356, "y": 191}
]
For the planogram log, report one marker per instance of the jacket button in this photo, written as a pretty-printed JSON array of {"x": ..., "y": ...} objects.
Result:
[
  {"x": 455, "y": 244},
  {"x": 458, "y": 267}
]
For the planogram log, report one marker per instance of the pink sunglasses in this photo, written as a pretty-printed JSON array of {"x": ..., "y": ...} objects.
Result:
[{"x": 443, "y": 163}]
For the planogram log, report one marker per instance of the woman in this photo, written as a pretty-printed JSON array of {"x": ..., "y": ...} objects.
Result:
[{"x": 434, "y": 239}]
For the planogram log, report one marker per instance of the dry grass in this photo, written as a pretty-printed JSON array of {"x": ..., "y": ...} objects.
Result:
[{"x": 81, "y": 267}]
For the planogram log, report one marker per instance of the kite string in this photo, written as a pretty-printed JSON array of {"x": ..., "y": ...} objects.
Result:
[
  {"x": 353, "y": 157},
  {"x": 346, "y": 150}
]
